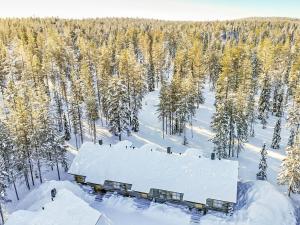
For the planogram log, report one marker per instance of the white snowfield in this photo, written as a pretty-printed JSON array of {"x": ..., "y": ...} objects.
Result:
[
  {"x": 66, "y": 209},
  {"x": 198, "y": 178}
]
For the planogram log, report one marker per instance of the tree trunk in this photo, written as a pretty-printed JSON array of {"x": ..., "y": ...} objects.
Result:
[
  {"x": 94, "y": 131},
  {"x": 31, "y": 171},
  {"x": 289, "y": 191},
  {"x": 1, "y": 214},
  {"x": 39, "y": 169},
  {"x": 57, "y": 168},
  {"x": 76, "y": 141},
  {"x": 80, "y": 125},
  {"x": 16, "y": 191},
  {"x": 163, "y": 126},
  {"x": 26, "y": 180}
]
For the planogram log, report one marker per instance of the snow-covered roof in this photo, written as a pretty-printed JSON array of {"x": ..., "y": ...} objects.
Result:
[
  {"x": 197, "y": 178},
  {"x": 194, "y": 152},
  {"x": 66, "y": 209}
]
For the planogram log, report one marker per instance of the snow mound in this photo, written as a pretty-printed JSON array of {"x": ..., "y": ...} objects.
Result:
[
  {"x": 41, "y": 196},
  {"x": 265, "y": 205},
  {"x": 66, "y": 209}
]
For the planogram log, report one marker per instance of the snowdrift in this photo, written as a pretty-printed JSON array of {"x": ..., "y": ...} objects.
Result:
[
  {"x": 41, "y": 195},
  {"x": 259, "y": 203},
  {"x": 70, "y": 207},
  {"x": 262, "y": 204}
]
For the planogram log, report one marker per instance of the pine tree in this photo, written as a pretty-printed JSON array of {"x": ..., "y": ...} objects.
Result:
[
  {"x": 293, "y": 120},
  {"x": 220, "y": 125},
  {"x": 9, "y": 157},
  {"x": 4, "y": 169},
  {"x": 76, "y": 109},
  {"x": 66, "y": 128},
  {"x": 290, "y": 168},
  {"x": 19, "y": 121},
  {"x": 241, "y": 120},
  {"x": 57, "y": 154},
  {"x": 163, "y": 107},
  {"x": 118, "y": 110},
  {"x": 3, "y": 186},
  {"x": 262, "y": 174},
  {"x": 291, "y": 137},
  {"x": 3, "y": 68},
  {"x": 277, "y": 108},
  {"x": 251, "y": 106},
  {"x": 264, "y": 103},
  {"x": 90, "y": 97},
  {"x": 276, "y": 135}
]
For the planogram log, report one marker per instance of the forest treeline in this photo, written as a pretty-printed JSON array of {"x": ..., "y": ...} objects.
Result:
[{"x": 57, "y": 75}]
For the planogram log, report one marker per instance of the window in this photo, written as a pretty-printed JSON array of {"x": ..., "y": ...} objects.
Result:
[
  {"x": 166, "y": 195},
  {"x": 116, "y": 185},
  {"x": 176, "y": 196},
  {"x": 217, "y": 204}
]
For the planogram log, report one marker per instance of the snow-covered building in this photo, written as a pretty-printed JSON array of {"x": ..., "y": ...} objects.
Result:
[
  {"x": 66, "y": 209},
  {"x": 197, "y": 182}
]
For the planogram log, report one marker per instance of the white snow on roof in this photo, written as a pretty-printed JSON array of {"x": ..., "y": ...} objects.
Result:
[
  {"x": 66, "y": 209},
  {"x": 197, "y": 178},
  {"x": 194, "y": 152}
]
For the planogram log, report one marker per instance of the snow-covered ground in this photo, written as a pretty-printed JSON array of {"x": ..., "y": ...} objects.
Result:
[{"x": 259, "y": 203}]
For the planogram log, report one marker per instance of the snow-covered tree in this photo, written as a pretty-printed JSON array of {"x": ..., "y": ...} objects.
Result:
[
  {"x": 118, "y": 111},
  {"x": 66, "y": 129},
  {"x": 264, "y": 102},
  {"x": 262, "y": 173},
  {"x": 220, "y": 125},
  {"x": 276, "y": 135},
  {"x": 9, "y": 157},
  {"x": 290, "y": 168}
]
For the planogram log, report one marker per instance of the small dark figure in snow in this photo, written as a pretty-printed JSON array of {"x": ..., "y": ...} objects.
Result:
[
  {"x": 53, "y": 194},
  {"x": 262, "y": 174}
]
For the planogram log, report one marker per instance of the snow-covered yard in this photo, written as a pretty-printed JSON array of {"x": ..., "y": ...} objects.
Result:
[{"x": 259, "y": 203}]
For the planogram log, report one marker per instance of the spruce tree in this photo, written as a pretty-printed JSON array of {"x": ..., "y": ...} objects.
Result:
[
  {"x": 9, "y": 157},
  {"x": 276, "y": 135},
  {"x": 66, "y": 129},
  {"x": 291, "y": 137},
  {"x": 264, "y": 103},
  {"x": 220, "y": 125},
  {"x": 262, "y": 173},
  {"x": 118, "y": 111}
]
